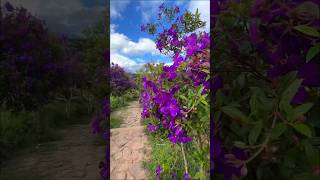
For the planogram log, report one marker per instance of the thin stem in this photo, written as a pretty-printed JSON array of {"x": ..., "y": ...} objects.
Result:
[{"x": 184, "y": 159}]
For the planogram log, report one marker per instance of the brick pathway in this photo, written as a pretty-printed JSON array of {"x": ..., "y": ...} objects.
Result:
[{"x": 129, "y": 146}]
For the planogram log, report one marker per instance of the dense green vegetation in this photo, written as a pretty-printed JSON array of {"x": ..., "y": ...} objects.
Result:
[{"x": 48, "y": 82}]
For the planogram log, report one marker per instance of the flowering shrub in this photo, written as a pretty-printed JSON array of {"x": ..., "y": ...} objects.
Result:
[
  {"x": 32, "y": 62},
  {"x": 175, "y": 97},
  {"x": 266, "y": 89},
  {"x": 120, "y": 81}
]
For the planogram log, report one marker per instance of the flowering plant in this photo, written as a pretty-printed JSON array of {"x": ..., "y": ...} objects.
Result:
[
  {"x": 33, "y": 61},
  {"x": 175, "y": 97},
  {"x": 266, "y": 90}
]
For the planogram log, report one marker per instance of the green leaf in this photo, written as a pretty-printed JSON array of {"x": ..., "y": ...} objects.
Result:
[
  {"x": 307, "y": 30},
  {"x": 300, "y": 110},
  {"x": 206, "y": 71},
  {"x": 303, "y": 129},
  {"x": 255, "y": 132},
  {"x": 234, "y": 113},
  {"x": 291, "y": 90},
  {"x": 278, "y": 130},
  {"x": 220, "y": 98},
  {"x": 239, "y": 144},
  {"x": 203, "y": 101},
  {"x": 287, "y": 96},
  {"x": 312, "y": 52},
  {"x": 183, "y": 97}
]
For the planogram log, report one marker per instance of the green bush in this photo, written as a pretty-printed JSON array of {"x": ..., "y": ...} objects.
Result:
[
  {"x": 121, "y": 101},
  {"x": 22, "y": 129}
]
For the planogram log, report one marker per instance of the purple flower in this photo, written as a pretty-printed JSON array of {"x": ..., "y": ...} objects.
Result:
[
  {"x": 158, "y": 172},
  {"x": 177, "y": 59},
  {"x": 145, "y": 113},
  {"x": 185, "y": 139},
  {"x": 216, "y": 143},
  {"x": 152, "y": 128},
  {"x": 173, "y": 138},
  {"x": 170, "y": 108},
  {"x": 186, "y": 176},
  {"x": 105, "y": 106},
  {"x": 224, "y": 163},
  {"x": 159, "y": 45},
  {"x": 176, "y": 9},
  {"x": 310, "y": 73},
  {"x": 143, "y": 27},
  {"x": 300, "y": 97},
  {"x": 217, "y": 83},
  {"x": 173, "y": 175},
  {"x": 96, "y": 124},
  {"x": 174, "y": 89},
  {"x": 205, "y": 41},
  {"x": 172, "y": 31},
  {"x": 170, "y": 72},
  {"x": 161, "y": 7}
]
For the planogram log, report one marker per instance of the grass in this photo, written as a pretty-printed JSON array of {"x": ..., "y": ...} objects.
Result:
[
  {"x": 37, "y": 127},
  {"x": 118, "y": 102},
  {"x": 115, "y": 122},
  {"x": 170, "y": 158}
]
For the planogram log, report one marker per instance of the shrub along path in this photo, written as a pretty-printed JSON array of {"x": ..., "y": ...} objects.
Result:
[
  {"x": 129, "y": 146},
  {"x": 76, "y": 156}
]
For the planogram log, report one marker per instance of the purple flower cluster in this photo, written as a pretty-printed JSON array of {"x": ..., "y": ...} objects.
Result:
[
  {"x": 165, "y": 108},
  {"x": 284, "y": 50},
  {"x": 169, "y": 37},
  {"x": 33, "y": 62},
  {"x": 161, "y": 97},
  {"x": 120, "y": 81}
]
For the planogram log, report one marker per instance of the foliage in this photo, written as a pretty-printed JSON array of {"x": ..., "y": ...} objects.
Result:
[
  {"x": 266, "y": 89},
  {"x": 175, "y": 98},
  {"x": 33, "y": 62},
  {"x": 121, "y": 101},
  {"x": 120, "y": 81},
  {"x": 172, "y": 166},
  {"x": 38, "y": 126}
]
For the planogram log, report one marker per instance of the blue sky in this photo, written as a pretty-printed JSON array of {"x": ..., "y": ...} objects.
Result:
[{"x": 131, "y": 48}]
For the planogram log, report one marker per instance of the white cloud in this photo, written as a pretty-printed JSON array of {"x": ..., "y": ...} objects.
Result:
[
  {"x": 143, "y": 46},
  {"x": 204, "y": 10},
  {"x": 120, "y": 43},
  {"x": 122, "y": 48},
  {"x": 117, "y": 7},
  {"x": 113, "y": 28},
  {"x": 128, "y": 64},
  {"x": 168, "y": 63}
]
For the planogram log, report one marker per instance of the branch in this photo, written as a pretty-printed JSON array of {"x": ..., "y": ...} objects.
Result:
[{"x": 184, "y": 159}]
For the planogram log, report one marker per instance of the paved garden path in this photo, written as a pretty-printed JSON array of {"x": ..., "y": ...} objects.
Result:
[
  {"x": 129, "y": 147},
  {"x": 76, "y": 156}
]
